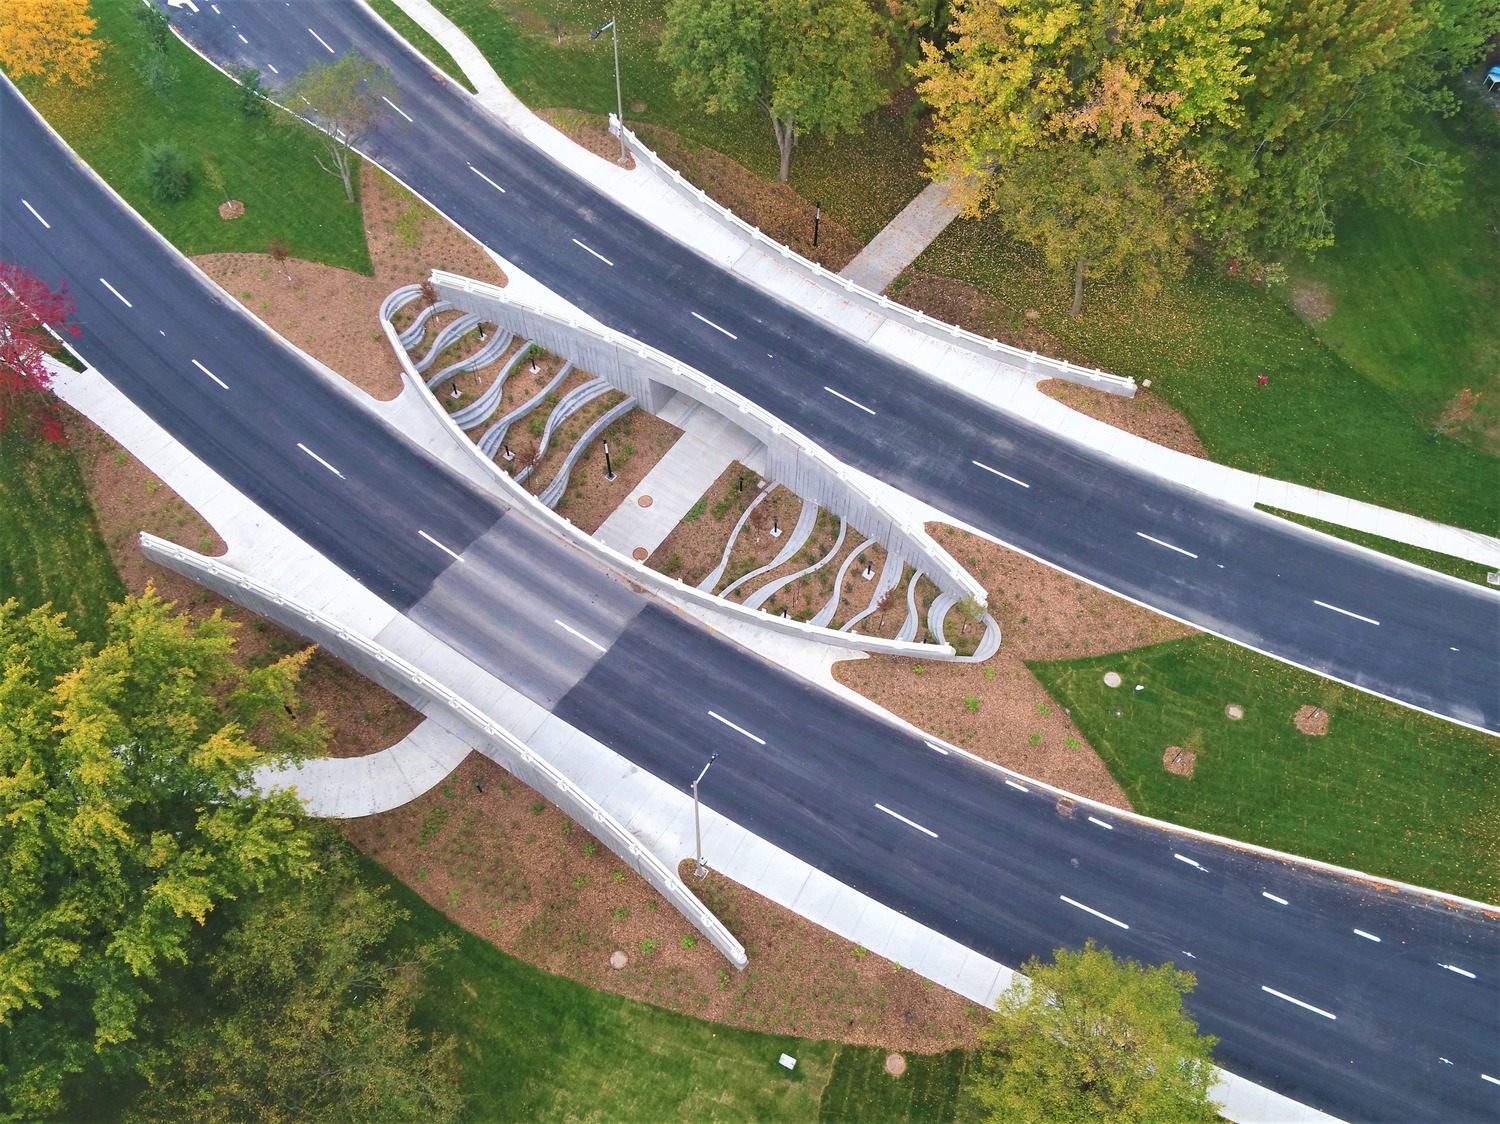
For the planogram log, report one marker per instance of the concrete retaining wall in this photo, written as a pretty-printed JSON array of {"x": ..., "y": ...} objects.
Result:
[
  {"x": 395, "y": 674},
  {"x": 651, "y": 377},
  {"x": 1029, "y": 361}
]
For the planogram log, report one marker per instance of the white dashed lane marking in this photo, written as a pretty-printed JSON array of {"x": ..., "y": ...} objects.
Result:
[
  {"x": 1169, "y": 546},
  {"x": 737, "y": 729},
  {"x": 1095, "y": 912},
  {"x": 1346, "y": 612},
  {"x": 37, "y": 214},
  {"x": 1298, "y": 1002},
  {"x": 907, "y": 822},
  {"x": 1002, "y": 475}
]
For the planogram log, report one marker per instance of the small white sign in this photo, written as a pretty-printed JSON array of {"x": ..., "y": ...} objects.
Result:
[{"x": 789, "y": 1061}]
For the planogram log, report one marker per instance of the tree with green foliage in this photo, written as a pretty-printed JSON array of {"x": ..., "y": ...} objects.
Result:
[
  {"x": 251, "y": 96},
  {"x": 344, "y": 99},
  {"x": 814, "y": 66},
  {"x": 1089, "y": 1037},
  {"x": 1340, "y": 95},
  {"x": 165, "y": 171},
  {"x": 130, "y": 818},
  {"x": 311, "y": 1016},
  {"x": 153, "y": 65},
  {"x": 1039, "y": 103}
]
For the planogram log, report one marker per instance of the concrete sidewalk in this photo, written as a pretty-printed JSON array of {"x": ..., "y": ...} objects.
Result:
[
  {"x": 904, "y": 237},
  {"x": 709, "y": 444},
  {"x": 991, "y": 380}
]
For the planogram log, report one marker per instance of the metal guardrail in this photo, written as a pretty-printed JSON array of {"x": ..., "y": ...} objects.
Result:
[
  {"x": 383, "y": 664},
  {"x": 1030, "y": 361}
]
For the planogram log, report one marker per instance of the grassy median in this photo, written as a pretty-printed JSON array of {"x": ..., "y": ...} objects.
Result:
[
  {"x": 1386, "y": 790},
  {"x": 269, "y": 163}
]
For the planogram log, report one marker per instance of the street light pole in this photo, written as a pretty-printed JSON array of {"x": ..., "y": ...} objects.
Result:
[
  {"x": 697, "y": 825},
  {"x": 614, "y": 34}
]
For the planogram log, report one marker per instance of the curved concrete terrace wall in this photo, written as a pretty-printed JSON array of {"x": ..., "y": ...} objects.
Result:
[
  {"x": 1029, "y": 361},
  {"x": 651, "y": 376},
  {"x": 391, "y": 671},
  {"x": 640, "y": 573}
]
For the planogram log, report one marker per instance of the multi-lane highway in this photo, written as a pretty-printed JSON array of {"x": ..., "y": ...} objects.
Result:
[
  {"x": 1431, "y": 643},
  {"x": 1367, "y": 1004}
]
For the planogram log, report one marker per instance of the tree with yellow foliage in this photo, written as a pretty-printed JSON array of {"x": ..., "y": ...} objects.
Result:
[{"x": 48, "y": 37}]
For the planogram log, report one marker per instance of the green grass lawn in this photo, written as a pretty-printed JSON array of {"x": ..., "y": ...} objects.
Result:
[
  {"x": 538, "y": 1047},
  {"x": 50, "y": 547},
  {"x": 542, "y": 51},
  {"x": 1431, "y": 559},
  {"x": 412, "y": 32},
  {"x": 1416, "y": 305},
  {"x": 1387, "y": 790},
  {"x": 267, "y": 164}
]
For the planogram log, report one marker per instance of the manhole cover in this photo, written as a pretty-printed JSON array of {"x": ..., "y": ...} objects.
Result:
[
  {"x": 645, "y": 501},
  {"x": 640, "y": 553},
  {"x": 1112, "y": 679},
  {"x": 895, "y": 1065},
  {"x": 618, "y": 959}
]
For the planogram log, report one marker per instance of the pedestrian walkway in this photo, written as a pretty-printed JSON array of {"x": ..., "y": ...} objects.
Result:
[
  {"x": 904, "y": 237},
  {"x": 709, "y": 444},
  {"x": 350, "y": 787}
]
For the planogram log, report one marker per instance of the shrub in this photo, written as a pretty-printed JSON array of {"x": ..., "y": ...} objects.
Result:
[
  {"x": 165, "y": 171},
  {"x": 972, "y": 703},
  {"x": 250, "y": 99}
]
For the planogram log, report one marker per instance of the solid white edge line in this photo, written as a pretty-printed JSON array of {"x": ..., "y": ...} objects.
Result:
[
  {"x": 1290, "y": 999},
  {"x": 1169, "y": 546},
  {"x": 581, "y": 636},
  {"x": 907, "y": 822},
  {"x": 210, "y": 374},
  {"x": 939, "y": 748},
  {"x": 320, "y": 460},
  {"x": 1101, "y": 823},
  {"x": 736, "y": 729},
  {"x": 1367, "y": 936},
  {"x": 35, "y": 212},
  {"x": 319, "y": 38},
  {"x": 397, "y": 108},
  {"x": 1346, "y": 612},
  {"x": 439, "y": 545},
  {"x": 116, "y": 292},
  {"x": 1017, "y": 787},
  {"x": 1274, "y": 898},
  {"x": 1095, "y": 912},
  {"x": 715, "y": 327},
  {"x": 1458, "y": 970},
  {"x": 997, "y": 472},
  {"x": 596, "y": 253},
  {"x": 852, "y": 402},
  {"x": 487, "y": 179},
  {"x": 1185, "y": 859}
]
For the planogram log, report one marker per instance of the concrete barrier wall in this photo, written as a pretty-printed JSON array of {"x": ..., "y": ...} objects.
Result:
[
  {"x": 396, "y": 674},
  {"x": 640, "y": 573},
  {"x": 651, "y": 377},
  {"x": 1030, "y": 361}
]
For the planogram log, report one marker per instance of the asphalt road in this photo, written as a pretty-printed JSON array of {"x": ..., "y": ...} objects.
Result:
[
  {"x": 1428, "y": 642},
  {"x": 1403, "y": 1027}
]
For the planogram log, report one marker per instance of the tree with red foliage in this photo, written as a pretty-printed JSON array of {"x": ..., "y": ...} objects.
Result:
[{"x": 32, "y": 316}]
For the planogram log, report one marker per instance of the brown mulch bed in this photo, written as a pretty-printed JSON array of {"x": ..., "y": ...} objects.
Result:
[
  {"x": 332, "y": 314},
  {"x": 636, "y": 443},
  {"x": 1043, "y": 615},
  {"x": 1311, "y": 720},
  {"x": 857, "y": 591},
  {"x": 128, "y": 498},
  {"x": 512, "y": 869},
  {"x": 525, "y": 436},
  {"x": 566, "y": 436},
  {"x": 958, "y": 302},
  {"x": 819, "y": 543},
  {"x": 1179, "y": 761},
  {"x": 756, "y": 545},
  {"x": 1145, "y": 415},
  {"x": 775, "y": 208},
  {"x": 695, "y": 545},
  {"x": 589, "y": 131},
  {"x": 519, "y": 387}
]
